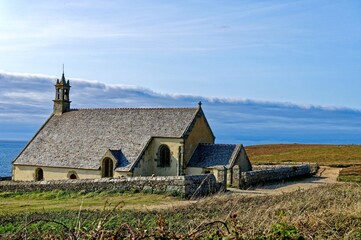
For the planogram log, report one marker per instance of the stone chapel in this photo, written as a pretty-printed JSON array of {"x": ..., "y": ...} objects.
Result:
[{"x": 115, "y": 142}]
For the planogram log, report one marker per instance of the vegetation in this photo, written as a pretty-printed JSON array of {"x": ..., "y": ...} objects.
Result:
[
  {"x": 58, "y": 200},
  {"x": 350, "y": 174},
  {"x": 331, "y": 212},
  {"x": 326, "y": 155},
  {"x": 328, "y": 212}
]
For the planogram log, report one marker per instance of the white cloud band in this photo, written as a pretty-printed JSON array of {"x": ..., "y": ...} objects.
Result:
[{"x": 26, "y": 98}]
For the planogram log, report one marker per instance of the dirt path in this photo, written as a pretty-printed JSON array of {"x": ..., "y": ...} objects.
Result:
[{"x": 325, "y": 175}]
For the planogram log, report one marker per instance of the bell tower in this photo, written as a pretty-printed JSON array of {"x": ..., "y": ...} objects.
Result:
[{"x": 61, "y": 101}]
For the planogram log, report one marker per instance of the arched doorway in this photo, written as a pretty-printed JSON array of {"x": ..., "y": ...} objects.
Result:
[
  {"x": 39, "y": 174},
  {"x": 164, "y": 156},
  {"x": 107, "y": 168}
]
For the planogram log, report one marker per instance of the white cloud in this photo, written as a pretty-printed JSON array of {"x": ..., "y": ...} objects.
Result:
[{"x": 27, "y": 98}]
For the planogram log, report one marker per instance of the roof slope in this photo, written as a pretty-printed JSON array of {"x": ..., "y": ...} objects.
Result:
[
  {"x": 79, "y": 138},
  {"x": 214, "y": 155}
]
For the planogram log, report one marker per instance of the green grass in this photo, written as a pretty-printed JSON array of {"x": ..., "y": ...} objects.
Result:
[
  {"x": 326, "y": 155},
  {"x": 59, "y": 200},
  {"x": 327, "y": 212}
]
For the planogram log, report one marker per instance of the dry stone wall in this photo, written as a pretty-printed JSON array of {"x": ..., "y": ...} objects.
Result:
[
  {"x": 264, "y": 173},
  {"x": 273, "y": 174},
  {"x": 232, "y": 175},
  {"x": 187, "y": 186},
  {"x": 313, "y": 166}
]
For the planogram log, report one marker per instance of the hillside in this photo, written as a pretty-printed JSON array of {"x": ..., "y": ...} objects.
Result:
[{"x": 328, "y": 155}]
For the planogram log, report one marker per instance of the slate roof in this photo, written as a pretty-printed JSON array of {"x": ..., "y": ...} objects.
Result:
[
  {"x": 79, "y": 138},
  {"x": 214, "y": 155}
]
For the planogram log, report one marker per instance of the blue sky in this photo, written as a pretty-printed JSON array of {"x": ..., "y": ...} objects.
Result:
[
  {"x": 287, "y": 53},
  {"x": 25, "y": 103}
]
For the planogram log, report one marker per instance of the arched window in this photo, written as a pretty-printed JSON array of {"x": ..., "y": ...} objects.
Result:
[
  {"x": 107, "y": 168},
  {"x": 39, "y": 174},
  {"x": 73, "y": 176},
  {"x": 163, "y": 156}
]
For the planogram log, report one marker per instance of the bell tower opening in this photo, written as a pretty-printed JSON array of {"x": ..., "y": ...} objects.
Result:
[{"x": 62, "y": 100}]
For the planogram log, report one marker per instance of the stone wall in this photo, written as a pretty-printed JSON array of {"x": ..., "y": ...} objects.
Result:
[
  {"x": 201, "y": 185},
  {"x": 264, "y": 173},
  {"x": 187, "y": 186},
  {"x": 273, "y": 174},
  {"x": 232, "y": 176},
  {"x": 235, "y": 177},
  {"x": 313, "y": 166}
]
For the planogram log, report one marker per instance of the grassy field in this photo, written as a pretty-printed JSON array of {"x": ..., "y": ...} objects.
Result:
[
  {"x": 327, "y": 155},
  {"x": 350, "y": 174},
  {"x": 328, "y": 212},
  {"x": 58, "y": 200}
]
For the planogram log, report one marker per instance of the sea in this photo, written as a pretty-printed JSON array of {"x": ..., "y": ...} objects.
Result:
[{"x": 8, "y": 152}]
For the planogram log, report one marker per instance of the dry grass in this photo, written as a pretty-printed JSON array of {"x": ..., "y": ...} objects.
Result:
[
  {"x": 355, "y": 170},
  {"x": 350, "y": 174},
  {"x": 327, "y": 155},
  {"x": 328, "y": 212},
  {"x": 331, "y": 212}
]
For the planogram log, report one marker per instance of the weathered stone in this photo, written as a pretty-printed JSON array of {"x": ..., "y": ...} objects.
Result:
[
  {"x": 273, "y": 173},
  {"x": 187, "y": 186}
]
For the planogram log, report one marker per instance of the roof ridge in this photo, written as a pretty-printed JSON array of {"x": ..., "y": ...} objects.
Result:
[
  {"x": 220, "y": 144},
  {"x": 135, "y": 108}
]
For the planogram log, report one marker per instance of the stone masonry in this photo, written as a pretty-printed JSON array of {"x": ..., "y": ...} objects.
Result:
[
  {"x": 186, "y": 186},
  {"x": 273, "y": 174}
]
